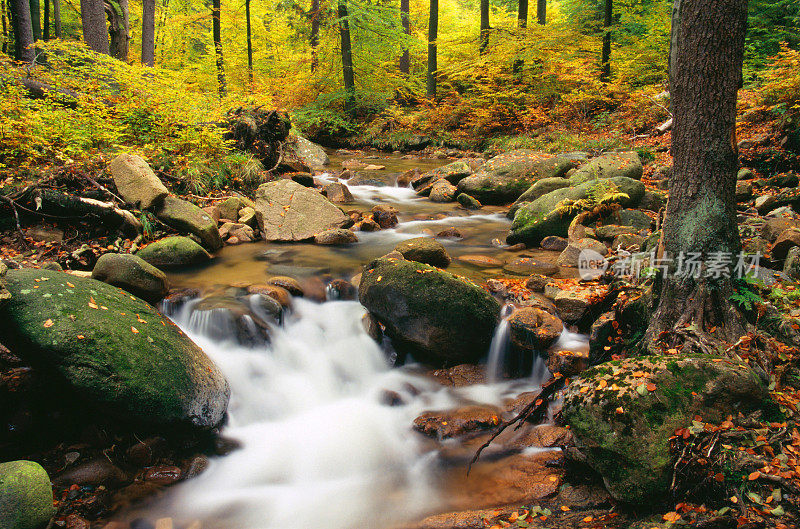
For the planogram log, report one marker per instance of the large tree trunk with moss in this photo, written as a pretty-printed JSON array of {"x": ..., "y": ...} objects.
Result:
[
  {"x": 348, "y": 77},
  {"x": 93, "y": 21},
  {"x": 694, "y": 308},
  {"x": 23, "y": 31},
  {"x": 433, "y": 31},
  {"x": 119, "y": 28},
  {"x": 405, "y": 21}
]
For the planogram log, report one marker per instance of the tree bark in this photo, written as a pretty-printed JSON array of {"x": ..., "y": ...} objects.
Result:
[
  {"x": 46, "y": 24},
  {"x": 405, "y": 22},
  {"x": 249, "y": 43},
  {"x": 93, "y": 20},
  {"x": 701, "y": 211},
  {"x": 347, "y": 60},
  {"x": 119, "y": 27},
  {"x": 522, "y": 14},
  {"x": 605, "y": 58},
  {"x": 433, "y": 30},
  {"x": 484, "y": 38},
  {"x": 23, "y": 31},
  {"x": 6, "y": 34},
  {"x": 314, "y": 39},
  {"x": 541, "y": 12},
  {"x": 57, "y": 18},
  {"x": 148, "y": 32},
  {"x": 36, "y": 20},
  {"x": 216, "y": 12}
]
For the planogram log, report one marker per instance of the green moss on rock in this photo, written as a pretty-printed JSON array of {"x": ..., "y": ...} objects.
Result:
[
  {"x": 438, "y": 317},
  {"x": 111, "y": 349},
  {"x": 26, "y": 498},
  {"x": 624, "y": 412}
]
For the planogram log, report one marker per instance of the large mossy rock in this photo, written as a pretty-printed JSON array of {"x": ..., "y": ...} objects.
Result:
[
  {"x": 453, "y": 172},
  {"x": 185, "y": 217},
  {"x": 112, "y": 350},
  {"x": 288, "y": 211},
  {"x": 136, "y": 182},
  {"x": 26, "y": 497},
  {"x": 424, "y": 250},
  {"x": 624, "y": 412},
  {"x": 505, "y": 177},
  {"x": 439, "y": 318},
  {"x": 173, "y": 252},
  {"x": 133, "y": 274},
  {"x": 543, "y": 217},
  {"x": 609, "y": 165}
]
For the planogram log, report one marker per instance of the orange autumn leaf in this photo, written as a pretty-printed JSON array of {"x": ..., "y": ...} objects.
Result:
[
  {"x": 48, "y": 324},
  {"x": 754, "y": 476},
  {"x": 134, "y": 330}
]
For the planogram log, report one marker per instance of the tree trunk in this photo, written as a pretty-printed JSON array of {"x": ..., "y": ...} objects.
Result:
[
  {"x": 522, "y": 14},
  {"x": 605, "y": 58},
  {"x": 541, "y": 12},
  {"x": 93, "y": 20},
  {"x": 433, "y": 30},
  {"x": 484, "y": 26},
  {"x": 36, "y": 20},
  {"x": 46, "y": 25},
  {"x": 148, "y": 32},
  {"x": 701, "y": 211},
  {"x": 119, "y": 28},
  {"x": 216, "y": 12},
  {"x": 314, "y": 40},
  {"x": 23, "y": 32},
  {"x": 405, "y": 21},
  {"x": 6, "y": 35},
  {"x": 347, "y": 60},
  {"x": 249, "y": 43},
  {"x": 57, "y": 18}
]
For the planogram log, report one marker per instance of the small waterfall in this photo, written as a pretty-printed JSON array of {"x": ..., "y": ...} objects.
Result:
[{"x": 499, "y": 346}]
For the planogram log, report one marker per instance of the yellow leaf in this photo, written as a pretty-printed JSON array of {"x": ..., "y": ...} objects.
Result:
[
  {"x": 48, "y": 324},
  {"x": 134, "y": 330}
]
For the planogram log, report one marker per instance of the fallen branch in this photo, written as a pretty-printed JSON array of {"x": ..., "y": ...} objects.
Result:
[
  {"x": 108, "y": 212},
  {"x": 532, "y": 411},
  {"x": 39, "y": 90},
  {"x": 664, "y": 127}
]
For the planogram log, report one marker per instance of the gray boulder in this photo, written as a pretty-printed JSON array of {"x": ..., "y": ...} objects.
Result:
[
  {"x": 443, "y": 191},
  {"x": 132, "y": 274},
  {"x": 335, "y": 237},
  {"x": 308, "y": 152},
  {"x": 136, "y": 182},
  {"x": 288, "y": 211}
]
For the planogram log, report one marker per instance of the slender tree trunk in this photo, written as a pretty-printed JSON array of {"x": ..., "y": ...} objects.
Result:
[
  {"x": 36, "y": 20},
  {"x": 405, "y": 22},
  {"x": 23, "y": 31},
  {"x": 148, "y": 32},
  {"x": 433, "y": 31},
  {"x": 347, "y": 60},
  {"x": 701, "y": 211},
  {"x": 57, "y": 18},
  {"x": 541, "y": 12},
  {"x": 484, "y": 26},
  {"x": 93, "y": 20},
  {"x": 605, "y": 58},
  {"x": 522, "y": 14},
  {"x": 46, "y": 24},
  {"x": 314, "y": 39},
  {"x": 119, "y": 28},
  {"x": 249, "y": 43},
  {"x": 6, "y": 34},
  {"x": 216, "y": 13}
]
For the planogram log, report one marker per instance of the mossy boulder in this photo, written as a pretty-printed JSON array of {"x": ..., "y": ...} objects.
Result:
[
  {"x": 424, "y": 250},
  {"x": 540, "y": 188},
  {"x": 440, "y": 318},
  {"x": 453, "y": 172},
  {"x": 111, "y": 350},
  {"x": 133, "y": 274},
  {"x": 504, "y": 178},
  {"x": 185, "y": 217},
  {"x": 545, "y": 216},
  {"x": 624, "y": 412},
  {"x": 610, "y": 165},
  {"x": 174, "y": 252},
  {"x": 26, "y": 498}
]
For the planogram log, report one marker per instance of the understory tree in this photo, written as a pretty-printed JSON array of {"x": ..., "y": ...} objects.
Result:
[{"x": 694, "y": 309}]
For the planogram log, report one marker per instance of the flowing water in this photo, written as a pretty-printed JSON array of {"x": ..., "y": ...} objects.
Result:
[{"x": 320, "y": 444}]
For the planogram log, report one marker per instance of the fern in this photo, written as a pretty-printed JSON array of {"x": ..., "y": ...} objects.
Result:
[{"x": 745, "y": 292}]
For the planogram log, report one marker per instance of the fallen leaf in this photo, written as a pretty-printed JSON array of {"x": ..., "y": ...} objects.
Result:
[
  {"x": 48, "y": 324},
  {"x": 134, "y": 330}
]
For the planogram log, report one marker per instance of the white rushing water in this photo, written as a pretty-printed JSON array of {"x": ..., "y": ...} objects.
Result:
[{"x": 320, "y": 446}]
